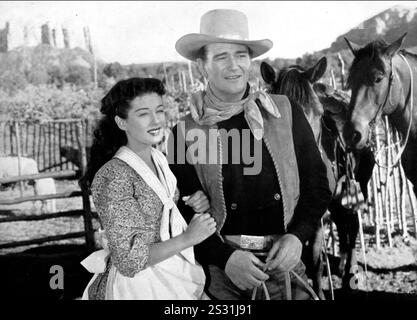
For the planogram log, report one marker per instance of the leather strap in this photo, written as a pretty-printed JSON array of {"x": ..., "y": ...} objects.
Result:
[
  {"x": 287, "y": 284},
  {"x": 288, "y": 294}
]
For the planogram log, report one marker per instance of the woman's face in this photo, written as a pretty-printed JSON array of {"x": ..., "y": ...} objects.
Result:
[{"x": 145, "y": 121}]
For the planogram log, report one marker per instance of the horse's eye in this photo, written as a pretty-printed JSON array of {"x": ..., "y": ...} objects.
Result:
[{"x": 378, "y": 78}]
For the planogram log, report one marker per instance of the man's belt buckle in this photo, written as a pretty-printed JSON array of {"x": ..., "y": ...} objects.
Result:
[{"x": 252, "y": 242}]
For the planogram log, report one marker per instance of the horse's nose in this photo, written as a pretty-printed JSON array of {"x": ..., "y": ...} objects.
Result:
[{"x": 356, "y": 138}]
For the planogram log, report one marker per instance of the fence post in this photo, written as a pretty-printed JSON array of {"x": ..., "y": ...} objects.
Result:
[
  {"x": 166, "y": 77},
  {"x": 377, "y": 216},
  {"x": 190, "y": 71},
  {"x": 342, "y": 70},
  {"x": 88, "y": 223},
  {"x": 333, "y": 79},
  {"x": 19, "y": 156}
]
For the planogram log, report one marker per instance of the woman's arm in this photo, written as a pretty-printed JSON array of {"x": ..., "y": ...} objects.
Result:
[
  {"x": 200, "y": 228},
  {"x": 127, "y": 228}
]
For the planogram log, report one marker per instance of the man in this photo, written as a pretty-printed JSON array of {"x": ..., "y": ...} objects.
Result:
[{"x": 265, "y": 210}]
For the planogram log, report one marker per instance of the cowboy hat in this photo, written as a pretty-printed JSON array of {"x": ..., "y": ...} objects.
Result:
[{"x": 221, "y": 26}]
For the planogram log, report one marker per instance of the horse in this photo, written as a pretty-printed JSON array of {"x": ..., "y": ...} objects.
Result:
[
  {"x": 326, "y": 112},
  {"x": 73, "y": 155},
  {"x": 382, "y": 81}
]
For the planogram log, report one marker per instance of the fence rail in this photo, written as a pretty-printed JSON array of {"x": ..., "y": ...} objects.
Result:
[
  {"x": 27, "y": 217},
  {"x": 44, "y": 142},
  {"x": 62, "y": 174},
  {"x": 43, "y": 240}
]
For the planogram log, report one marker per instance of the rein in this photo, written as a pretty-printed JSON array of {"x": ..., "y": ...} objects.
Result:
[
  {"x": 287, "y": 282},
  {"x": 372, "y": 122}
]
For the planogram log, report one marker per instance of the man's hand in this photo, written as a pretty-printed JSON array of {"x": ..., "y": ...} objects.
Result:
[
  {"x": 244, "y": 270},
  {"x": 198, "y": 201},
  {"x": 285, "y": 253}
]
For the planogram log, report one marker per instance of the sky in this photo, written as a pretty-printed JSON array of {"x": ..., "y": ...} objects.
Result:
[{"x": 146, "y": 31}]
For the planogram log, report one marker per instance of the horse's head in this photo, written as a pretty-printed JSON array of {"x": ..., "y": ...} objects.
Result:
[
  {"x": 335, "y": 104},
  {"x": 370, "y": 80},
  {"x": 297, "y": 84}
]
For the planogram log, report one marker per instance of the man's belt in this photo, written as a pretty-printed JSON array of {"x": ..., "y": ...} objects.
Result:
[{"x": 252, "y": 243}]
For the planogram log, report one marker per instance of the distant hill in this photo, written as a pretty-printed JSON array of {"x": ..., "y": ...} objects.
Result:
[{"x": 389, "y": 25}]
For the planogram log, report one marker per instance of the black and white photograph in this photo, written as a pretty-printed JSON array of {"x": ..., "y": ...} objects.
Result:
[{"x": 213, "y": 151}]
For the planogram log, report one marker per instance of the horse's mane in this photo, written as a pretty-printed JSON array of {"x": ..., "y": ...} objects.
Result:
[{"x": 291, "y": 83}]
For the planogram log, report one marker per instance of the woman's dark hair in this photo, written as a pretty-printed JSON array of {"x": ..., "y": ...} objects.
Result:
[{"x": 108, "y": 138}]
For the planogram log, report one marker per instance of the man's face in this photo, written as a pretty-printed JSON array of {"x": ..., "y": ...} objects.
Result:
[{"x": 226, "y": 68}]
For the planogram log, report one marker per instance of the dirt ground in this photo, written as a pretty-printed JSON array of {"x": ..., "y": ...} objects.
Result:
[{"x": 391, "y": 272}]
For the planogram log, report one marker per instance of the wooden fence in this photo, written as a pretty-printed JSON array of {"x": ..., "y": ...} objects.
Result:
[
  {"x": 392, "y": 204},
  {"x": 42, "y": 142}
]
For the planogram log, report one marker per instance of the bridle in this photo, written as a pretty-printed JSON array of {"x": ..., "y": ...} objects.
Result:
[{"x": 372, "y": 122}]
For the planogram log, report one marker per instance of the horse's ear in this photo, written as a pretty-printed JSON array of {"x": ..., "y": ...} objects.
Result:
[
  {"x": 395, "y": 46},
  {"x": 352, "y": 46},
  {"x": 317, "y": 71},
  {"x": 267, "y": 72}
]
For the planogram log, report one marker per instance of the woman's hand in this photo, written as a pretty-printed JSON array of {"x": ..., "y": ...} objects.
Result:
[
  {"x": 200, "y": 228},
  {"x": 198, "y": 201}
]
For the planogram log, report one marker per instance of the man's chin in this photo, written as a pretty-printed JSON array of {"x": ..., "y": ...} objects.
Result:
[{"x": 235, "y": 89}]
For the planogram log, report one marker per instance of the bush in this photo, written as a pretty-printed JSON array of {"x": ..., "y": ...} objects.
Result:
[
  {"x": 12, "y": 81},
  {"x": 48, "y": 102},
  {"x": 78, "y": 75},
  {"x": 114, "y": 70},
  {"x": 56, "y": 75},
  {"x": 38, "y": 75}
]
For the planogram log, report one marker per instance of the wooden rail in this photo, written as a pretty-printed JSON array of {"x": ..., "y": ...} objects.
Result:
[
  {"x": 27, "y": 217},
  {"x": 69, "y": 194},
  {"x": 42, "y": 240},
  {"x": 59, "y": 174}
]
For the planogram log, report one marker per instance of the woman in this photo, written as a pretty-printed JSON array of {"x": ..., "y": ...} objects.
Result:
[{"x": 148, "y": 250}]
